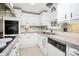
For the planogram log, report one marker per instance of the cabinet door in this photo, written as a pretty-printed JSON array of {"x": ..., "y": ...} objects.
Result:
[
  {"x": 44, "y": 18},
  {"x": 28, "y": 40},
  {"x": 53, "y": 51},
  {"x": 74, "y": 7},
  {"x": 67, "y": 11},
  {"x": 33, "y": 39},
  {"x": 40, "y": 41},
  {"x": 43, "y": 44},
  {"x": 54, "y": 12},
  {"x": 23, "y": 19},
  {"x": 15, "y": 50},
  {"x": 25, "y": 40},
  {"x": 63, "y": 11},
  {"x": 22, "y": 40}
]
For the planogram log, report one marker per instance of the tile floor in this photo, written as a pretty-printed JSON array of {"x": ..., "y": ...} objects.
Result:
[{"x": 31, "y": 51}]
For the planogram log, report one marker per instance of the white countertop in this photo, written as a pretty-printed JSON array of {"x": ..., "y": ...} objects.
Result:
[{"x": 71, "y": 39}]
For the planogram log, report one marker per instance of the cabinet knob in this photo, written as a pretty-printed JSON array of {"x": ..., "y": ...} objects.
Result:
[
  {"x": 71, "y": 14},
  {"x": 15, "y": 47},
  {"x": 65, "y": 16},
  {"x": 76, "y": 53}
]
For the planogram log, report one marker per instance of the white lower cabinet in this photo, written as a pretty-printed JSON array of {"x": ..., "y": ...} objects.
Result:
[
  {"x": 43, "y": 41},
  {"x": 15, "y": 50},
  {"x": 35, "y": 39},
  {"x": 28, "y": 40},
  {"x": 53, "y": 51}
]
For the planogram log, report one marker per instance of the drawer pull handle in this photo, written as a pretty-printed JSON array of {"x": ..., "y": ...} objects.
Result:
[
  {"x": 14, "y": 47},
  {"x": 76, "y": 53}
]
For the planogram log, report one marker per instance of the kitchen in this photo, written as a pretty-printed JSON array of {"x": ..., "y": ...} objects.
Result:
[{"x": 39, "y": 29}]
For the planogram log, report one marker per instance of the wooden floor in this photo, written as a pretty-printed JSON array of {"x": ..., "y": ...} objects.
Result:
[{"x": 31, "y": 51}]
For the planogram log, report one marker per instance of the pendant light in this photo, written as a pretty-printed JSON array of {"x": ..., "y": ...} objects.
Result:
[{"x": 49, "y": 5}]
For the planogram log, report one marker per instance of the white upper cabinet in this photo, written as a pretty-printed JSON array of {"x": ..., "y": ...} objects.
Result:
[
  {"x": 34, "y": 20},
  {"x": 54, "y": 12},
  {"x": 54, "y": 15},
  {"x": 68, "y": 11},
  {"x": 23, "y": 19},
  {"x": 30, "y": 19},
  {"x": 63, "y": 11},
  {"x": 44, "y": 18},
  {"x": 27, "y": 18},
  {"x": 74, "y": 8}
]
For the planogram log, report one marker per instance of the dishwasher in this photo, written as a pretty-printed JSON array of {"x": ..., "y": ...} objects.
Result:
[{"x": 56, "y": 48}]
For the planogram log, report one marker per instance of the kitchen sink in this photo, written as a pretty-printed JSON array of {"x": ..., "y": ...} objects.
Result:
[{"x": 49, "y": 33}]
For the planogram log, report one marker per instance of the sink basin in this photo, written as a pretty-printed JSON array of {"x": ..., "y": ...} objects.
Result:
[
  {"x": 6, "y": 39},
  {"x": 2, "y": 44},
  {"x": 48, "y": 33}
]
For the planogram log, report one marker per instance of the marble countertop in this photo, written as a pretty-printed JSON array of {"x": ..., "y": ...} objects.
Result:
[{"x": 71, "y": 39}]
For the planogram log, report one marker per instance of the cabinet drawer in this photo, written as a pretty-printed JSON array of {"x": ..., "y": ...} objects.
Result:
[{"x": 72, "y": 51}]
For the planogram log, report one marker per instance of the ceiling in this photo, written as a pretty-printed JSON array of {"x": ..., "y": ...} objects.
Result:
[{"x": 36, "y": 8}]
